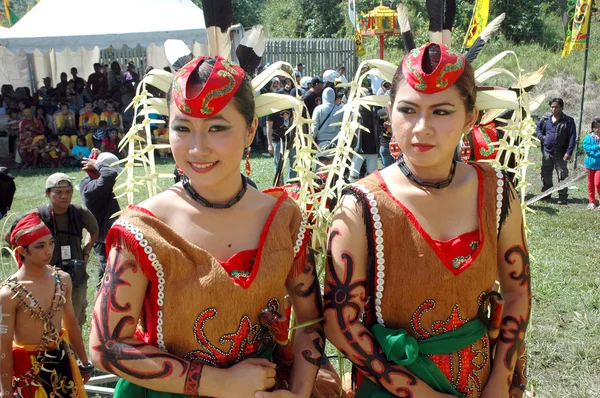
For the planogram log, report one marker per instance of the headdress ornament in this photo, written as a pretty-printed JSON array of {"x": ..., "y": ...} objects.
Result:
[
  {"x": 220, "y": 87},
  {"x": 29, "y": 229},
  {"x": 444, "y": 75}
]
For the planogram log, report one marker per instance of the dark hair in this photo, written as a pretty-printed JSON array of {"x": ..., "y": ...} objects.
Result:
[
  {"x": 596, "y": 122},
  {"x": 559, "y": 101},
  {"x": 243, "y": 98},
  {"x": 465, "y": 83},
  {"x": 102, "y": 123}
]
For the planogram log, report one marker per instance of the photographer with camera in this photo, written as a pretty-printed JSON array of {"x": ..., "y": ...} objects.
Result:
[{"x": 67, "y": 222}]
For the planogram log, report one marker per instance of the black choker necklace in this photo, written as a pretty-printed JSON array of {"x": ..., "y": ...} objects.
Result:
[
  {"x": 194, "y": 195},
  {"x": 437, "y": 185}
]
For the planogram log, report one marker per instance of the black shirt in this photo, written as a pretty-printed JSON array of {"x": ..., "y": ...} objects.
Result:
[
  {"x": 311, "y": 100},
  {"x": 281, "y": 124},
  {"x": 97, "y": 195}
]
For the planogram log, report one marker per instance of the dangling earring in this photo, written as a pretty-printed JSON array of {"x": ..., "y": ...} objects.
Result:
[
  {"x": 179, "y": 171},
  {"x": 248, "y": 166},
  {"x": 394, "y": 148}
]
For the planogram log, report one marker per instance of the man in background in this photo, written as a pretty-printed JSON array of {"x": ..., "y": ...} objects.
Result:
[
  {"x": 96, "y": 192},
  {"x": 557, "y": 132}
]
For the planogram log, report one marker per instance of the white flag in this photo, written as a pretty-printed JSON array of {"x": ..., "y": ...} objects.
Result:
[{"x": 352, "y": 12}]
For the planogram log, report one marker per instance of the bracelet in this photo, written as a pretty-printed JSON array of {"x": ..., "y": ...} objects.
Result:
[{"x": 89, "y": 368}]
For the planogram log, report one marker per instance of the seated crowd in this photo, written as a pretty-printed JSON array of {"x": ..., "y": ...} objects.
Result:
[{"x": 59, "y": 125}]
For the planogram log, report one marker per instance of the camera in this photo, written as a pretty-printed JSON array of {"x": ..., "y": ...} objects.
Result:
[{"x": 76, "y": 269}]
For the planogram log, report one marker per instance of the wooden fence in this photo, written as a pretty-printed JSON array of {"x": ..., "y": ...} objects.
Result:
[{"x": 317, "y": 55}]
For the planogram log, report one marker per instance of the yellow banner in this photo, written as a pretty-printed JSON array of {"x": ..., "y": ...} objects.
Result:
[
  {"x": 579, "y": 30},
  {"x": 360, "y": 50},
  {"x": 481, "y": 12},
  {"x": 7, "y": 12}
]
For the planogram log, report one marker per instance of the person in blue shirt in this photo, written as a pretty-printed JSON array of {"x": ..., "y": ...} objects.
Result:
[
  {"x": 557, "y": 133},
  {"x": 80, "y": 151},
  {"x": 591, "y": 147}
]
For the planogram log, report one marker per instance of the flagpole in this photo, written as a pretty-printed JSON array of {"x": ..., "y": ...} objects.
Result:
[{"x": 585, "y": 64}]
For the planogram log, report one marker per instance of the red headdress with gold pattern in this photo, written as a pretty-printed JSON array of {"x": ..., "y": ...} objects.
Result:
[
  {"x": 222, "y": 84},
  {"x": 444, "y": 75},
  {"x": 29, "y": 229}
]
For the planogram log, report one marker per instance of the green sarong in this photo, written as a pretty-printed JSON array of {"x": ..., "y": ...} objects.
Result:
[
  {"x": 126, "y": 389},
  {"x": 404, "y": 350}
]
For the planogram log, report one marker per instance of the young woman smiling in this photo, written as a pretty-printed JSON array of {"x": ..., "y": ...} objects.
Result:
[
  {"x": 414, "y": 251},
  {"x": 203, "y": 266}
]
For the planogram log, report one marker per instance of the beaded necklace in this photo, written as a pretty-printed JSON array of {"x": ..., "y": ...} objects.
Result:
[
  {"x": 204, "y": 202},
  {"x": 51, "y": 337},
  {"x": 425, "y": 184}
]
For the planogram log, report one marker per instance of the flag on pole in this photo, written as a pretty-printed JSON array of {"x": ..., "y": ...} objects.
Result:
[
  {"x": 360, "y": 50},
  {"x": 352, "y": 12},
  {"x": 577, "y": 32},
  {"x": 481, "y": 12}
]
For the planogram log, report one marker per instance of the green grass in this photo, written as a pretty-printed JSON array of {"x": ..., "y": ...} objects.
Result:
[{"x": 564, "y": 335}]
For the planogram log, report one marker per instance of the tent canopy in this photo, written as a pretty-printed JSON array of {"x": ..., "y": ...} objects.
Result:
[{"x": 72, "y": 24}]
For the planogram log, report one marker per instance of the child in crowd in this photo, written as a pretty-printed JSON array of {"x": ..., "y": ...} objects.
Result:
[
  {"x": 110, "y": 143},
  {"x": 55, "y": 153},
  {"x": 12, "y": 128},
  {"x": 37, "y": 322},
  {"x": 161, "y": 134},
  {"x": 80, "y": 151},
  {"x": 100, "y": 134},
  {"x": 591, "y": 147}
]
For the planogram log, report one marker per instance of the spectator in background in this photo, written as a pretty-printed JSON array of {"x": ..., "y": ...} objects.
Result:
[
  {"x": 325, "y": 115},
  {"x": 112, "y": 118},
  {"x": 67, "y": 221},
  {"x": 47, "y": 93},
  {"x": 96, "y": 192},
  {"x": 7, "y": 190},
  {"x": 61, "y": 88},
  {"x": 384, "y": 132},
  {"x": 557, "y": 133},
  {"x": 12, "y": 128},
  {"x": 591, "y": 147},
  {"x": 97, "y": 83},
  {"x": 275, "y": 85},
  {"x": 115, "y": 80},
  {"x": 88, "y": 123},
  {"x": 342, "y": 72},
  {"x": 127, "y": 95},
  {"x": 110, "y": 143},
  {"x": 64, "y": 126},
  {"x": 100, "y": 134},
  {"x": 46, "y": 120},
  {"x": 367, "y": 146},
  {"x": 80, "y": 151},
  {"x": 131, "y": 75},
  {"x": 76, "y": 79},
  {"x": 82, "y": 95},
  {"x": 312, "y": 97},
  {"x": 277, "y": 125},
  {"x": 55, "y": 153},
  {"x": 385, "y": 88},
  {"x": 300, "y": 69},
  {"x": 31, "y": 137}
]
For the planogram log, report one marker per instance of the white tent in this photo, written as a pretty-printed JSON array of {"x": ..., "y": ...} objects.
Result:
[
  {"x": 62, "y": 24},
  {"x": 60, "y": 34}
]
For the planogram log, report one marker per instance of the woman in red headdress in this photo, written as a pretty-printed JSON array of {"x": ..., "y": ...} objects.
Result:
[
  {"x": 197, "y": 276},
  {"x": 414, "y": 251}
]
